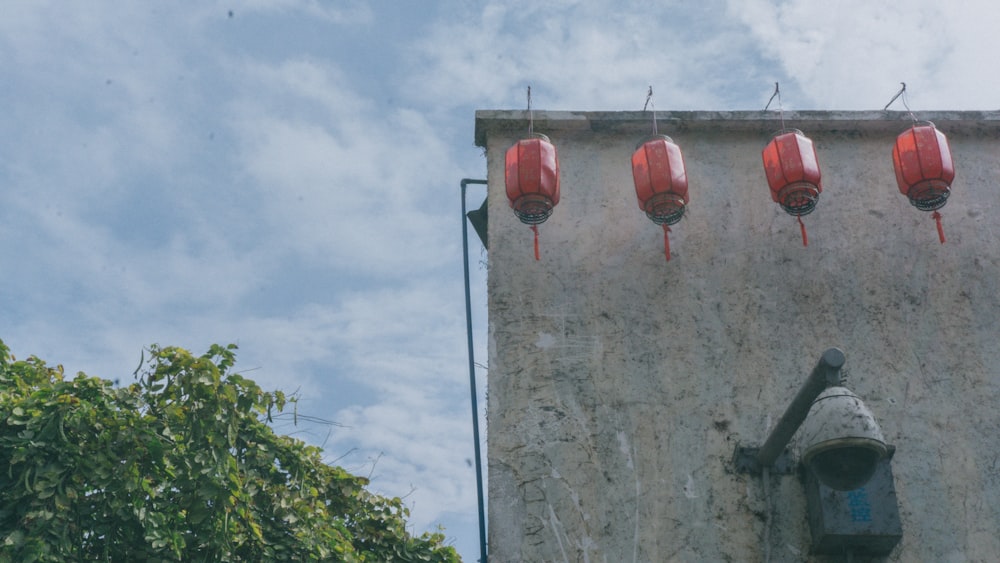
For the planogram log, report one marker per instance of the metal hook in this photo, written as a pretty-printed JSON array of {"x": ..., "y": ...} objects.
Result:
[
  {"x": 898, "y": 94},
  {"x": 649, "y": 102},
  {"x": 776, "y": 94},
  {"x": 902, "y": 92},
  {"x": 781, "y": 110}
]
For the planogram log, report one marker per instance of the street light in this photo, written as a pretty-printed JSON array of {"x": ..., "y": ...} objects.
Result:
[
  {"x": 843, "y": 443},
  {"x": 850, "y": 495},
  {"x": 480, "y": 226}
]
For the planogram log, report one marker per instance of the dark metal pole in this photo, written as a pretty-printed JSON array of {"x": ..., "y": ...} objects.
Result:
[
  {"x": 826, "y": 373},
  {"x": 472, "y": 373}
]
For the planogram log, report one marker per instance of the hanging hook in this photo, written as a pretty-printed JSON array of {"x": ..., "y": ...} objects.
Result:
[
  {"x": 898, "y": 94},
  {"x": 781, "y": 110},
  {"x": 776, "y": 94},
  {"x": 901, "y": 93},
  {"x": 649, "y": 104},
  {"x": 531, "y": 117}
]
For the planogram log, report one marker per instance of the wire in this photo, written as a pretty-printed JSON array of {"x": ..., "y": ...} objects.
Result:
[{"x": 531, "y": 117}]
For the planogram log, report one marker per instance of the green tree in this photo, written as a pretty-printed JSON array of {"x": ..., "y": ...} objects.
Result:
[{"x": 179, "y": 466}]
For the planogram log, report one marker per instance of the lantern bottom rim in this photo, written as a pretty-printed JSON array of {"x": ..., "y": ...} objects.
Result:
[
  {"x": 665, "y": 208},
  {"x": 929, "y": 195},
  {"x": 798, "y": 199},
  {"x": 533, "y": 209}
]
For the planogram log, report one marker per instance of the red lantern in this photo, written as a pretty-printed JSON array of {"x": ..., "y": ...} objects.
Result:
[
  {"x": 924, "y": 169},
  {"x": 660, "y": 182},
  {"x": 532, "y": 179},
  {"x": 793, "y": 174}
]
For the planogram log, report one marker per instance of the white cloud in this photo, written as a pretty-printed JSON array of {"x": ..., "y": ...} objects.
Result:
[
  {"x": 597, "y": 56},
  {"x": 153, "y": 163},
  {"x": 853, "y": 55},
  {"x": 341, "y": 12},
  {"x": 353, "y": 187}
]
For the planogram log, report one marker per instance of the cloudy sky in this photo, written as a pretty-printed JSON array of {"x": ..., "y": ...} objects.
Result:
[{"x": 284, "y": 174}]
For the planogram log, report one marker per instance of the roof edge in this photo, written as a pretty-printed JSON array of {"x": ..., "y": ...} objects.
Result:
[{"x": 493, "y": 121}]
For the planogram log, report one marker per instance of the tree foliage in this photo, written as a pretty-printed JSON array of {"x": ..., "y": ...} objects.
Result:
[{"x": 179, "y": 466}]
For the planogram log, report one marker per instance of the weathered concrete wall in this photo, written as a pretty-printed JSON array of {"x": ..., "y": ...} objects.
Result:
[{"x": 620, "y": 383}]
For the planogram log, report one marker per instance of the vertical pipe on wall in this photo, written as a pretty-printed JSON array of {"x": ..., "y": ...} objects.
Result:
[{"x": 472, "y": 373}]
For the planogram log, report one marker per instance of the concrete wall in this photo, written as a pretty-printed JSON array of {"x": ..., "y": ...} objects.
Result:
[{"x": 620, "y": 383}]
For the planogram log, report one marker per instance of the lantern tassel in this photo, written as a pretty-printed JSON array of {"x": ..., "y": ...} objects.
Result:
[
  {"x": 940, "y": 229},
  {"x": 535, "y": 229},
  {"x": 666, "y": 241},
  {"x": 805, "y": 236}
]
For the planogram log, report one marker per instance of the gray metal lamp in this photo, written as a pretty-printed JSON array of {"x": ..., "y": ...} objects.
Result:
[
  {"x": 850, "y": 495},
  {"x": 843, "y": 442}
]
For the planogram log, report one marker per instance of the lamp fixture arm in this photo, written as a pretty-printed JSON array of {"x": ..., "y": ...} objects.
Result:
[{"x": 825, "y": 374}]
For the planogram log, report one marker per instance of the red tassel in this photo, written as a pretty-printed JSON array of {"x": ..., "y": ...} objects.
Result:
[
  {"x": 937, "y": 219},
  {"x": 805, "y": 237},
  {"x": 666, "y": 241},
  {"x": 535, "y": 228}
]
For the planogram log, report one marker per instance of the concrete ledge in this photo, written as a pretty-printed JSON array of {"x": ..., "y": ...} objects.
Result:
[{"x": 950, "y": 122}]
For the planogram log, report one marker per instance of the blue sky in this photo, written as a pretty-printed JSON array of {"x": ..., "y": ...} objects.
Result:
[{"x": 283, "y": 174}]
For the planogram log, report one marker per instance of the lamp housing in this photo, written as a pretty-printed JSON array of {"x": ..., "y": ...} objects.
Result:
[{"x": 842, "y": 442}]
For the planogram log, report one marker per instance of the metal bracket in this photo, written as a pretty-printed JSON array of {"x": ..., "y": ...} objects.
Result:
[{"x": 745, "y": 461}]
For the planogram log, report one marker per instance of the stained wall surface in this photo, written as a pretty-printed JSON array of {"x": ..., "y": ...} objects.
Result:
[{"x": 620, "y": 383}]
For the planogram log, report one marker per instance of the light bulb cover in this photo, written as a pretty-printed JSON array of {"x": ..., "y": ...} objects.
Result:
[{"x": 842, "y": 441}]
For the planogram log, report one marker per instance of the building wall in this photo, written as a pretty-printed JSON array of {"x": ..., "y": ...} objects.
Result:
[{"x": 620, "y": 383}]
